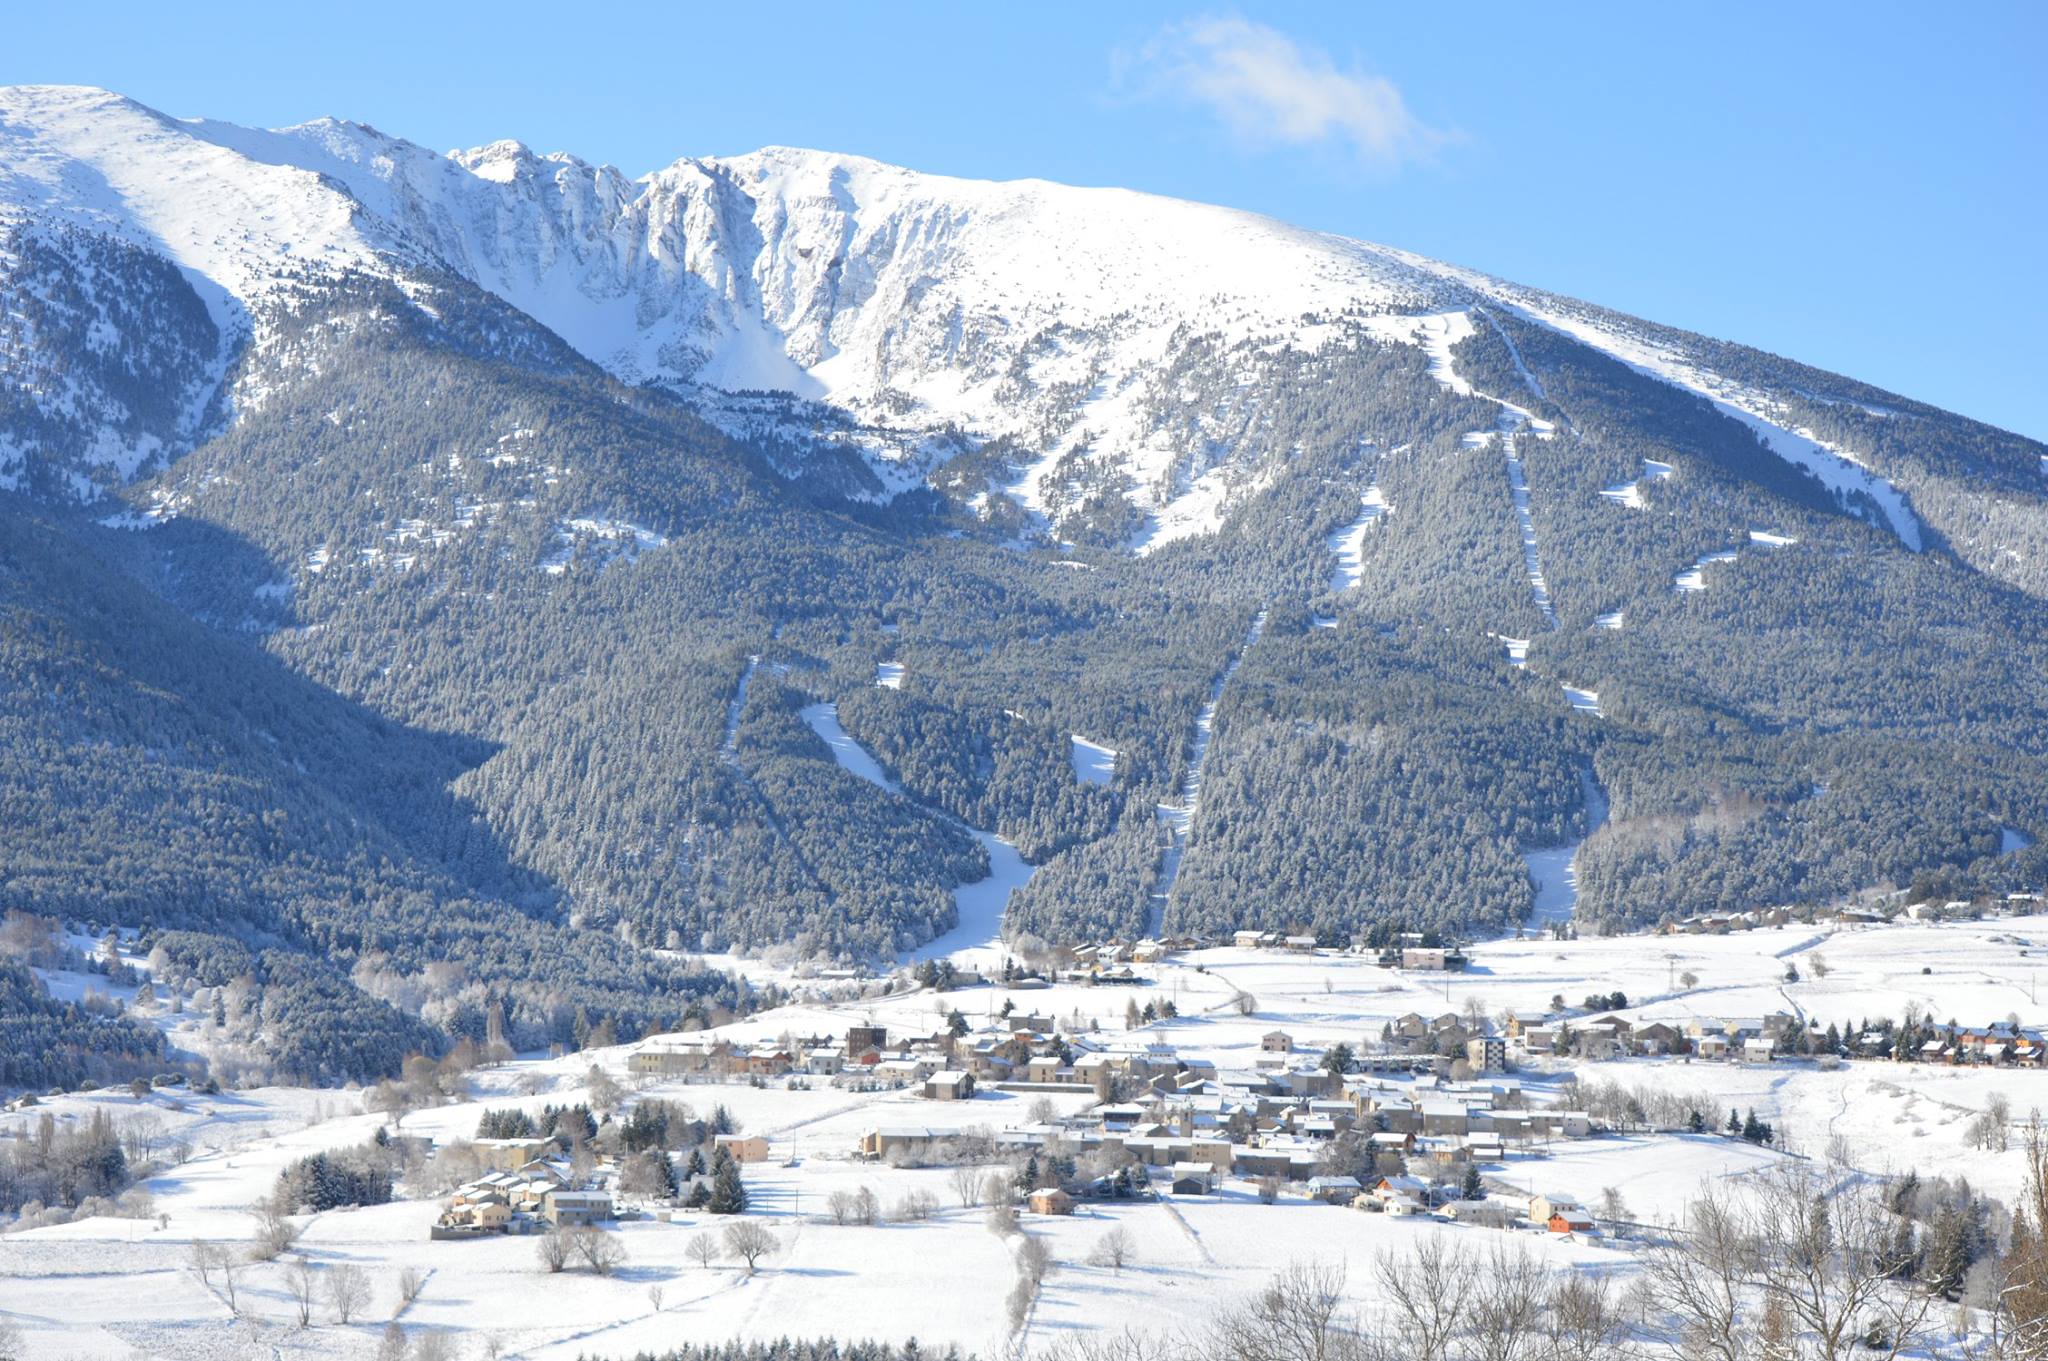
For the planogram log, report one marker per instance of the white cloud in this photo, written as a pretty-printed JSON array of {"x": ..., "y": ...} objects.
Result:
[{"x": 1269, "y": 89}]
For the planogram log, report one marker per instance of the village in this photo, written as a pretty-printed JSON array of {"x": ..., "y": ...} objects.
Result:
[
  {"x": 1159, "y": 1121},
  {"x": 1428, "y": 1118}
]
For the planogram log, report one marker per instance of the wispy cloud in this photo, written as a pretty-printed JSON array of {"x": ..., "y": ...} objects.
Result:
[{"x": 1271, "y": 90}]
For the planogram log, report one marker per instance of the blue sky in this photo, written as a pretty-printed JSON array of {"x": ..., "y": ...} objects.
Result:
[{"x": 1860, "y": 186}]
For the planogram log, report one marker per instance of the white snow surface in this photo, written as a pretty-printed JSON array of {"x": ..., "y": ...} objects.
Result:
[
  {"x": 1555, "y": 869},
  {"x": 916, "y": 302},
  {"x": 913, "y": 298},
  {"x": 1841, "y": 470},
  {"x": 1178, "y": 813},
  {"x": 611, "y": 538},
  {"x": 1437, "y": 334},
  {"x": 1583, "y": 701},
  {"x": 1093, "y": 762},
  {"x": 1694, "y": 578},
  {"x": 1347, "y": 545},
  {"x": 1630, "y": 494},
  {"x": 977, "y": 930}
]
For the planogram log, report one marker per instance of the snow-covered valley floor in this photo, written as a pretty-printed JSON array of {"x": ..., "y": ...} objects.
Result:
[{"x": 118, "y": 1287}]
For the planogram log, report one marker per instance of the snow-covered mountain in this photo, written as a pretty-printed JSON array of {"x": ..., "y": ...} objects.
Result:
[
  {"x": 375, "y": 578},
  {"x": 1115, "y": 337}
]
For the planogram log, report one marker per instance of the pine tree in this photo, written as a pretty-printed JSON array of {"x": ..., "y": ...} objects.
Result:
[
  {"x": 1946, "y": 1256},
  {"x": 1472, "y": 1188},
  {"x": 728, "y": 1195}
]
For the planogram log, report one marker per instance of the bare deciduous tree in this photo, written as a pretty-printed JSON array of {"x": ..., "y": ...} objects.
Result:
[
  {"x": 1298, "y": 1316},
  {"x": 410, "y": 1282},
  {"x": 348, "y": 1291},
  {"x": 966, "y": 1183},
  {"x": 202, "y": 1256},
  {"x": 1505, "y": 1306},
  {"x": 1018, "y": 1304},
  {"x": 1427, "y": 1287},
  {"x": 390, "y": 1099},
  {"x": 2026, "y": 1291},
  {"x": 1830, "y": 1261},
  {"x": 552, "y": 1250},
  {"x": 303, "y": 1286},
  {"x": 1583, "y": 1322},
  {"x": 1701, "y": 1279},
  {"x": 1113, "y": 1250},
  {"x": 433, "y": 1345},
  {"x": 855, "y": 1207},
  {"x": 605, "y": 1092},
  {"x": 600, "y": 1251},
  {"x": 1801, "y": 1265},
  {"x": 916, "y": 1206},
  {"x": 274, "y": 1234},
  {"x": 1034, "y": 1258},
  {"x": 702, "y": 1249},
  {"x": 749, "y": 1242}
]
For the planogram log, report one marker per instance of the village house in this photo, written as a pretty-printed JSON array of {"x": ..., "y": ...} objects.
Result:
[
  {"x": 768, "y": 1061},
  {"x": 678, "y": 1059},
  {"x": 902, "y": 1072},
  {"x": 566, "y": 1208},
  {"x": 950, "y": 1085},
  {"x": 1487, "y": 1053},
  {"x": 1276, "y": 1042},
  {"x": 1660, "y": 1037},
  {"x": 744, "y": 1148},
  {"x": 1050, "y": 1200},
  {"x": 1570, "y": 1219},
  {"x": 1335, "y": 1190},
  {"x": 887, "y": 1140},
  {"x": 1543, "y": 1208},
  {"x": 509, "y": 1155},
  {"x": 862, "y": 1038},
  {"x": 1414, "y": 1191},
  {"x": 824, "y": 1061}
]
